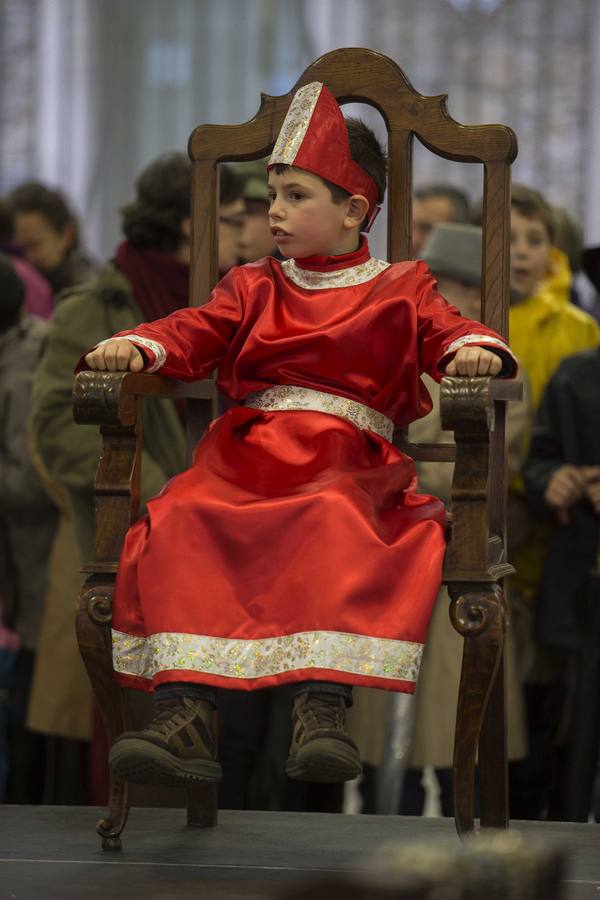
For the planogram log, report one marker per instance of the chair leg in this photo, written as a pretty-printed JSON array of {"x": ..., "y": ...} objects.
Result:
[
  {"x": 203, "y": 799},
  {"x": 202, "y": 805},
  {"x": 493, "y": 758},
  {"x": 93, "y": 634},
  {"x": 477, "y": 613}
]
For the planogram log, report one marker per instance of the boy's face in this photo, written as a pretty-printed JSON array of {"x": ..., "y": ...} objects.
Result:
[
  {"x": 304, "y": 219},
  {"x": 529, "y": 253}
]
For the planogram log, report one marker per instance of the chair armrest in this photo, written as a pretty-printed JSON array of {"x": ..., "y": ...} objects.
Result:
[
  {"x": 114, "y": 400},
  {"x": 476, "y": 551},
  {"x": 110, "y": 398}
]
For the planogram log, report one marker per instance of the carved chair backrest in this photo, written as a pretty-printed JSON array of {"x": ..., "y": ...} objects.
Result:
[{"x": 364, "y": 76}]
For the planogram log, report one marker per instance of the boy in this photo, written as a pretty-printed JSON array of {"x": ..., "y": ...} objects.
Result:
[
  {"x": 298, "y": 529},
  {"x": 541, "y": 314}
]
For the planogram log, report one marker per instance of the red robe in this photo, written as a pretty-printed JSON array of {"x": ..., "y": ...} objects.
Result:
[{"x": 296, "y": 546}]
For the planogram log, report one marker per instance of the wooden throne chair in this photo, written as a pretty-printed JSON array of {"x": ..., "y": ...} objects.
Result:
[{"x": 473, "y": 408}]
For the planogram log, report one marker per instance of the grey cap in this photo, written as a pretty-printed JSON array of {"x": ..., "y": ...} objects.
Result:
[
  {"x": 255, "y": 174},
  {"x": 454, "y": 250}
]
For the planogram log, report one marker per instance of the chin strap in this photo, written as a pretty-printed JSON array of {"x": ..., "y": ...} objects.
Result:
[{"x": 371, "y": 220}]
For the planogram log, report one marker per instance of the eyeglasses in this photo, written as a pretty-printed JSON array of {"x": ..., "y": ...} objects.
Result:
[{"x": 233, "y": 221}]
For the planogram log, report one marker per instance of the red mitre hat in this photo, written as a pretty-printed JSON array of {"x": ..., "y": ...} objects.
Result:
[{"x": 314, "y": 137}]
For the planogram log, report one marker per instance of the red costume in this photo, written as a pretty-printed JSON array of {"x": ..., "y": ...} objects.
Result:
[{"x": 295, "y": 547}]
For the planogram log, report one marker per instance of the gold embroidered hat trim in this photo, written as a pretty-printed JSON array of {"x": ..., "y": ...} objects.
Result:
[
  {"x": 292, "y": 397},
  {"x": 294, "y": 128},
  {"x": 340, "y": 278},
  {"x": 260, "y": 658}
]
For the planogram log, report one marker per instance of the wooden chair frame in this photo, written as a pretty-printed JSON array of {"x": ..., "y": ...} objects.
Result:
[{"x": 473, "y": 408}]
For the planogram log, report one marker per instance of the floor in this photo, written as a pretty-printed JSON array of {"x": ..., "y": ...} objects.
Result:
[{"x": 53, "y": 852}]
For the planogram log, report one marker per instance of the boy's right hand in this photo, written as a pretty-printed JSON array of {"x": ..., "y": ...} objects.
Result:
[{"x": 116, "y": 356}]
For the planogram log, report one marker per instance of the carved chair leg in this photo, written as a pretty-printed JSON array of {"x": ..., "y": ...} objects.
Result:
[
  {"x": 479, "y": 616},
  {"x": 493, "y": 759},
  {"x": 93, "y": 633},
  {"x": 203, "y": 799},
  {"x": 202, "y": 805}
]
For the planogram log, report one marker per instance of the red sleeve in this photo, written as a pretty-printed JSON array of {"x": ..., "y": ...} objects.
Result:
[
  {"x": 442, "y": 330},
  {"x": 190, "y": 343}
]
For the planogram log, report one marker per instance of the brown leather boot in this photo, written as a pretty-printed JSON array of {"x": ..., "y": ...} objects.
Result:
[
  {"x": 176, "y": 749},
  {"x": 321, "y": 750}
]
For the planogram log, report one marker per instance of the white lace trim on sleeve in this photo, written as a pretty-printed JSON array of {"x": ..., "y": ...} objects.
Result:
[
  {"x": 159, "y": 351},
  {"x": 480, "y": 339}
]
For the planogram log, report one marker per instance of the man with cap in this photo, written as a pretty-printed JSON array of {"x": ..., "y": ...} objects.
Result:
[
  {"x": 453, "y": 253},
  {"x": 295, "y": 550}
]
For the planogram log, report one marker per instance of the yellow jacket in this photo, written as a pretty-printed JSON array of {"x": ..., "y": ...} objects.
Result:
[{"x": 546, "y": 327}]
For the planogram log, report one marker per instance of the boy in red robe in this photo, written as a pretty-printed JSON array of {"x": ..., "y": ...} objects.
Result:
[{"x": 295, "y": 549}]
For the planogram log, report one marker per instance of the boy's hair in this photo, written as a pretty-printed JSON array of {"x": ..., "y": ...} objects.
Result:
[
  {"x": 457, "y": 198},
  {"x": 366, "y": 151},
  {"x": 527, "y": 201},
  {"x": 532, "y": 205},
  {"x": 568, "y": 237},
  {"x": 35, "y": 197}
]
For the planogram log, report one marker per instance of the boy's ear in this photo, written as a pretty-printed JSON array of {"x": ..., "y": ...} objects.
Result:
[{"x": 358, "y": 208}]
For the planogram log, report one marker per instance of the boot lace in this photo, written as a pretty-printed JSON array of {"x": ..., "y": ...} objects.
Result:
[
  {"x": 168, "y": 712},
  {"x": 325, "y": 712}
]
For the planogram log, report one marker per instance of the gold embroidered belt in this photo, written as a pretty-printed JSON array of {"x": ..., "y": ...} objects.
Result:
[{"x": 289, "y": 396}]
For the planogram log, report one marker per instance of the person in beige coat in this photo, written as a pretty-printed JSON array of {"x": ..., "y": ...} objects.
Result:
[{"x": 453, "y": 252}]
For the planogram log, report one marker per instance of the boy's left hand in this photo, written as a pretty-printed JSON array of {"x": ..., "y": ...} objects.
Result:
[{"x": 474, "y": 361}]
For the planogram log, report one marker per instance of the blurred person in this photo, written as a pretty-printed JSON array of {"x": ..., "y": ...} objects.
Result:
[
  {"x": 545, "y": 327},
  {"x": 27, "y": 525},
  {"x": 231, "y": 217},
  {"x": 590, "y": 265},
  {"x": 453, "y": 253},
  {"x": 562, "y": 477},
  {"x": 432, "y": 204},
  {"x": 38, "y": 294},
  {"x": 147, "y": 277},
  {"x": 257, "y": 238},
  {"x": 47, "y": 232},
  {"x": 568, "y": 237}
]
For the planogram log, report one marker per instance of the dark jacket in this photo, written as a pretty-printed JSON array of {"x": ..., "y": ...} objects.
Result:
[
  {"x": 28, "y": 518},
  {"x": 567, "y": 430}
]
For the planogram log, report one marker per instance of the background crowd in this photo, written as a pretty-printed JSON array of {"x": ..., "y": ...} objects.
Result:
[{"x": 57, "y": 299}]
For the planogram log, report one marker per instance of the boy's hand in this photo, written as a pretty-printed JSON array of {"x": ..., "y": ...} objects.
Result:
[
  {"x": 474, "y": 361},
  {"x": 116, "y": 356}
]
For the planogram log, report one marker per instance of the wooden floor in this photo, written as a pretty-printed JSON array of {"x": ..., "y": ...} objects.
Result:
[{"x": 53, "y": 852}]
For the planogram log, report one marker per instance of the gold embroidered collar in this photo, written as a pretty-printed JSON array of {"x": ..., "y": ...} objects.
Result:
[{"x": 313, "y": 280}]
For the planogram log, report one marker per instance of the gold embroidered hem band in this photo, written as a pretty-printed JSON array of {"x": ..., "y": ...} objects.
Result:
[
  {"x": 236, "y": 658},
  {"x": 292, "y": 397}
]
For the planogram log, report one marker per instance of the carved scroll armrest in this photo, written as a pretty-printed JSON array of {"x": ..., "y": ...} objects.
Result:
[
  {"x": 111, "y": 398},
  {"x": 468, "y": 408}
]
